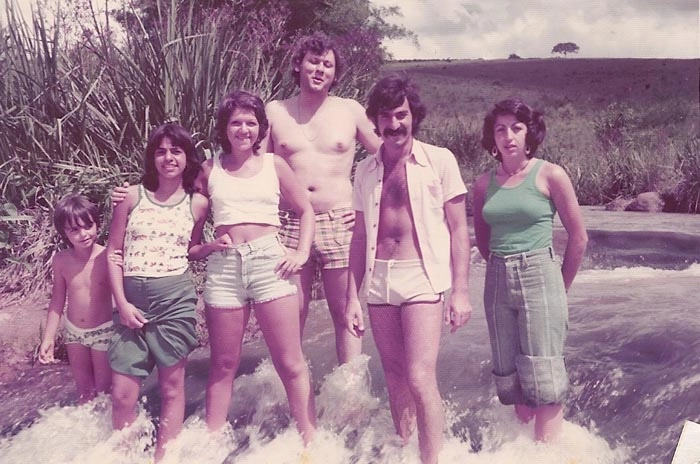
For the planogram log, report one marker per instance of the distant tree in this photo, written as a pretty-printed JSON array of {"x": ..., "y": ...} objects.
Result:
[
  {"x": 565, "y": 47},
  {"x": 514, "y": 56}
]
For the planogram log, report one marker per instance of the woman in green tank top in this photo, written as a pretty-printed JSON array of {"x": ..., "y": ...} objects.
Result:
[{"x": 525, "y": 289}]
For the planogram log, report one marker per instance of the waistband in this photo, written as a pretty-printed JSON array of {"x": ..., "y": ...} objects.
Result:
[
  {"x": 75, "y": 329},
  {"x": 259, "y": 243},
  {"x": 399, "y": 262},
  {"x": 175, "y": 274},
  {"x": 548, "y": 251},
  {"x": 328, "y": 214}
]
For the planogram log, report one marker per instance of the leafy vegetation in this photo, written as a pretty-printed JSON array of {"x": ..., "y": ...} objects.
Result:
[
  {"x": 565, "y": 47},
  {"x": 80, "y": 93},
  {"x": 78, "y": 99},
  {"x": 620, "y": 127}
]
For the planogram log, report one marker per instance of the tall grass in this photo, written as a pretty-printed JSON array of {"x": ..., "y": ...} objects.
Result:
[
  {"x": 75, "y": 113},
  {"x": 618, "y": 127}
]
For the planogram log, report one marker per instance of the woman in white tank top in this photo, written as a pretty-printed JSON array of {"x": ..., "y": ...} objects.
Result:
[{"x": 247, "y": 267}]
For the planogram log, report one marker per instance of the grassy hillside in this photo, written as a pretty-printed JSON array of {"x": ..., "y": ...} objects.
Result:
[{"x": 619, "y": 126}]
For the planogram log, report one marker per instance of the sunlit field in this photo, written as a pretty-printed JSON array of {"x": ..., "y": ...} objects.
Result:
[{"x": 619, "y": 126}]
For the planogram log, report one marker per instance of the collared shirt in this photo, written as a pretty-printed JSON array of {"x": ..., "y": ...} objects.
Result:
[{"x": 433, "y": 178}]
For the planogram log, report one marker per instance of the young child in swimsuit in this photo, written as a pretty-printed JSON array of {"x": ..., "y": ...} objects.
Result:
[{"x": 80, "y": 278}]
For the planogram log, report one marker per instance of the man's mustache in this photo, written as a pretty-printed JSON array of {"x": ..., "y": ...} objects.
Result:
[{"x": 388, "y": 132}]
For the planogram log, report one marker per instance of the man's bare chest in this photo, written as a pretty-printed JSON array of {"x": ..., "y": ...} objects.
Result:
[{"x": 395, "y": 189}]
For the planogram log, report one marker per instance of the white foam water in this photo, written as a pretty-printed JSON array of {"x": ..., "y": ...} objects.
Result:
[{"x": 354, "y": 426}]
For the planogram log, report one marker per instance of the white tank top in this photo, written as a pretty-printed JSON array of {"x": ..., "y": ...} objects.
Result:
[
  {"x": 251, "y": 200},
  {"x": 157, "y": 237}
]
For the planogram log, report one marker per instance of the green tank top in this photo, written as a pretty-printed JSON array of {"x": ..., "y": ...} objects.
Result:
[{"x": 520, "y": 217}]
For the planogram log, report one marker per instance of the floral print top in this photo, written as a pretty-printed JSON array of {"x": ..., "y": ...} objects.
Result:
[{"x": 157, "y": 237}]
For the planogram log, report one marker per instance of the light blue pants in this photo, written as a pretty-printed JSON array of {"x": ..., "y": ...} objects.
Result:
[{"x": 527, "y": 315}]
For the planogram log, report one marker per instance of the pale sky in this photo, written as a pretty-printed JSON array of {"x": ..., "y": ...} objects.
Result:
[{"x": 493, "y": 29}]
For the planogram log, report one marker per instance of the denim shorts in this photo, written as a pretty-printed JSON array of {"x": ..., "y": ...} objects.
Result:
[
  {"x": 400, "y": 282},
  {"x": 168, "y": 303},
  {"x": 245, "y": 274},
  {"x": 527, "y": 315}
]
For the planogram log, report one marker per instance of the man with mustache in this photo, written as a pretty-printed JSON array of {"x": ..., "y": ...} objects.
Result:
[
  {"x": 316, "y": 133},
  {"x": 409, "y": 246}
]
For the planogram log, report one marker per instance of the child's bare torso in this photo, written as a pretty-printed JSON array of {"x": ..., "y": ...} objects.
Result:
[{"x": 88, "y": 292}]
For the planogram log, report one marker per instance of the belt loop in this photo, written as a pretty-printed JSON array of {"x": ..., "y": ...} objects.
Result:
[
  {"x": 524, "y": 259},
  {"x": 551, "y": 252}
]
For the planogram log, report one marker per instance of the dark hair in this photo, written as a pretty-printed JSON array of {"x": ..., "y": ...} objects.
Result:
[
  {"x": 390, "y": 93},
  {"x": 317, "y": 43},
  {"x": 76, "y": 211},
  {"x": 179, "y": 137},
  {"x": 239, "y": 99},
  {"x": 534, "y": 121}
]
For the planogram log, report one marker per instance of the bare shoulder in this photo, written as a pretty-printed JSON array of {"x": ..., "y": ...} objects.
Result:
[
  {"x": 349, "y": 104},
  {"x": 199, "y": 200},
  {"x": 481, "y": 183},
  {"x": 200, "y": 205},
  {"x": 554, "y": 174},
  {"x": 100, "y": 254},
  {"x": 60, "y": 259},
  {"x": 273, "y": 107},
  {"x": 207, "y": 165}
]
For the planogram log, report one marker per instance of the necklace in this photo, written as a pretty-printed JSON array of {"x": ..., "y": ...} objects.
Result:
[
  {"x": 520, "y": 169},
  {"x": 301, "y": 126}
]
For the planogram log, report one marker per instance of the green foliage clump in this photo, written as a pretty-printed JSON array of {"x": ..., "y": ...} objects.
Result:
[
  {"x": 80, "y": 94},
  {"x": 618, "y": 127}
]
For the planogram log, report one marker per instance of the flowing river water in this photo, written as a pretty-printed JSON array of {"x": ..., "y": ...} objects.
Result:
[{"x": 632, "y": 353}]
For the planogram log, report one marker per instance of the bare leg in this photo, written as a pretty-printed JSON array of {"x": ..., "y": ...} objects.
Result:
[
  {"x": 125, "y": 393},
  {"x": 171, "y": 383},
  {"x": 279, "y": 322},
  {"x": 422, "y": 325},
  {"x": 102, "y": 373},
  {"x": 304, "y": 282},
  {"x": 81, "y": 368},
  {"x": 524, "y": 413},
  {"x": 548, "y": 421},
  {"x": 388, "y": 336},
  {"x": 335, "y": 284},
  {"x": 226, "y": 328}
]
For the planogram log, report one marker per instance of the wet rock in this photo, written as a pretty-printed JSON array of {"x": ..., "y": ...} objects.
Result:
[
  {"x": 618, "y": 204},
  {"x": 649, "y": 202}
]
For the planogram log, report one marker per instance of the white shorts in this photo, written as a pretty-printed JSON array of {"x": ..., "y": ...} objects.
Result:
[{"x": 401, "y": 282}]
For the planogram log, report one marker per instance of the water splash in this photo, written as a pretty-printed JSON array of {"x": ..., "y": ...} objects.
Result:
[{"x": 355, "y": 426}]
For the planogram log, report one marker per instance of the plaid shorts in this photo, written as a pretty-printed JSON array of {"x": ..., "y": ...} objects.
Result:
[{"x": 331, "y": 245}]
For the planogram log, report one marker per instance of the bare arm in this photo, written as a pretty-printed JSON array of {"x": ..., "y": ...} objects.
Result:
[
  {"x": 267, "y": 144},
  {"x": 129, "y": 315},
  {"x": 365, "y": 129},
  {"x": 562, "y": 193},
  {"x": 55, "y": 310},
  {"x": 200, "y": 210},
  {"x": 482, "y": 231},
  {"x": 459, "y": 309},
  {"x": 295, "y": 195},
  {"x": 356, "y": 272}
]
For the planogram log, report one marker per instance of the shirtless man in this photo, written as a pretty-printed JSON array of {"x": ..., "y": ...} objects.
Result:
[
  {"x": 409, "y": 246},
  {"x": 316, "y": 133}
]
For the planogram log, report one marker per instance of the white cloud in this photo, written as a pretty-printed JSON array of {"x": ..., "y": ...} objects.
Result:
[{"x": 602, "y": 28}]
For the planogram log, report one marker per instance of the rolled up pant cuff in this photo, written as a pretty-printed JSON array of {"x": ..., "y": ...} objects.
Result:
[{"x": 543, "y": 379}]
